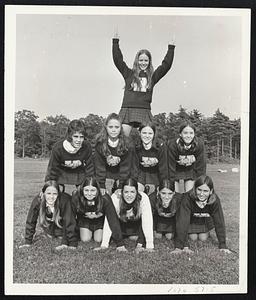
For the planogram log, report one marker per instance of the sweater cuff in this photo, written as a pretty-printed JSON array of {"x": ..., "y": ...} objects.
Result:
[
  {"x": 179, "y": 245},
  {"x": 150, "y": 245},
  {"x": 120, "y": 243},
  {"x": 115, "y": 40},
  {"x": 222, "y": 246},
  {"x": 64, "y": 242},
  {"x": 28, "y": 242},
  {"x": 73, "y": 244},
  {"x": 171, "y": 46}
]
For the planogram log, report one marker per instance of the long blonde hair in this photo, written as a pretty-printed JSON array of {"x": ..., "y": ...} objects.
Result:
[{"x": 56, "y": 213}]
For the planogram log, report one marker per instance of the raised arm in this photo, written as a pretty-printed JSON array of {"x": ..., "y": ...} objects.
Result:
[
  {"x": 118, "y": 59},
  {"x": 165, "y": 66}
]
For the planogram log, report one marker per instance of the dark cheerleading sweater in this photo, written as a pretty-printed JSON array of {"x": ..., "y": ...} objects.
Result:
[
  {"x": 103, "y": 170},
  {"x": 67, "y": 221},
  {"x": 139, "y": 99},
  {"x": 154, "y": 174},
  {"x": 189, "y": 209},
  {"x": 108, "y": 211},
  {"x": 193, "y": 171},
  {"x": 57, "y": 169}
]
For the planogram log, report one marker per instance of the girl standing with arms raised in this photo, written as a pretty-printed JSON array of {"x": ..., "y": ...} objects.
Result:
[
  {"x": 113, "y": 155},
  {"x": 139, "y": 84},
  {"x": 186, "y": 158}
]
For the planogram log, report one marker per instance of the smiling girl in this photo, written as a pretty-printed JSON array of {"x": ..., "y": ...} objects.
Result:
[
  {"x": 139, "y": 84},
  {"x": 186, "y": 158},
  {"x": 53, "y": 208},
  {"x": 135, "y": 216},
  {"x": 91, "y": 207},
  {"x": 194, "y": 215},
  {"x": 150, "y": 162},
  {"x": 71, "y": 158},
  {"x": 113, "y": 155}
]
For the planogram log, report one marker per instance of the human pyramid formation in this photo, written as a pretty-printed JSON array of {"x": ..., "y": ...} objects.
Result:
[{"x": 141, "y": 191}]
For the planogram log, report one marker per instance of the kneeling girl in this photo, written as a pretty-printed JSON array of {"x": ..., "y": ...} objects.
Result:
[
  {"x": 90, "y": 208},
  {"x": 196, "y": 209},
  {"x": 135, "y": 216},
  {"x": 53, "y": 209}
]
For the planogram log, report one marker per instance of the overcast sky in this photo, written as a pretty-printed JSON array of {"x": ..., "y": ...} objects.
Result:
[{"x": 64, "y": 63}]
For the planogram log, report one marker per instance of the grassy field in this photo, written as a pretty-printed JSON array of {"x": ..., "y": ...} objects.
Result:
[{"x": 42, "y": 264}]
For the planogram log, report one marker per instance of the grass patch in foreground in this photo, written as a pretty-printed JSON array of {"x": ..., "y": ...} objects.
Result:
[{"x": 42, "y": 264}]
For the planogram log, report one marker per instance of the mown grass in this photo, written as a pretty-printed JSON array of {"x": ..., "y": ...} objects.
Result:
[{"x": 41, "y": 263}]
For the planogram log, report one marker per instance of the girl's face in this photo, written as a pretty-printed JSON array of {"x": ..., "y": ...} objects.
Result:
[
  {"x": 143, "y": 61},
  {"x": 166, "y": 196},
  {"x": 129, "y": 193},
  {"x": 77, "y": 139},
  {"x": 90, "y": 192},
  {"x": 203, "y": 192},
  {"x": 187, "y": 134},
  {"x": 113, "y": 129},
  {"x": 147, "y": 135},
  {"x": 51, "y": 195}
]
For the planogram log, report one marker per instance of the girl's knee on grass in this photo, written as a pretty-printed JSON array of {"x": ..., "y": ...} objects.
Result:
[
  {"x": 203, "y": 236},
  {"x": 193, "y": 236},
  {"x": 98, "y": 235},
  {"x": 85, "y": 234},
  {"x": 169, "y": 235},
  {"x": 158, "y": 235},
  {"x": 133, "y": 237}
]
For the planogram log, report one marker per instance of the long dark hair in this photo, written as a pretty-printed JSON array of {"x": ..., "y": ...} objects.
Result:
[
  {"x": 172, "y": 207},
  {"x": 102, "y": 137},
  {"x": 82, "y": 205},
  {"x": 135, "y": 205},
  {"x": 155, "y": 142},
  {"x": 136, "y": 69},
  {"x": 42, "y": 212},
  {"x": 203, "y": 179}
]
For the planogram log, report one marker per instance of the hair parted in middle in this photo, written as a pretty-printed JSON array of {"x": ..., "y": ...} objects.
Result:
[
  {"x": 203, "y": 179},
  {"x": 75, "y": 126},
  {"x": 156, "y": 141},
  {"x": 102, "y": 137},
  {"x": 135, "y": 205},
  {"x": 82, "y": 202},
  {"x": 136, "y": 69},
  {"x": 42, "y": 212}
]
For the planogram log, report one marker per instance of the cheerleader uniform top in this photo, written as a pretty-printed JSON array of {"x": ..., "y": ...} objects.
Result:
[
  {"x": 177, "y": 151},
  {"x": 190, "y": 209},
  {"x": 108, "y": 211},
  {"x": 152, "y": 174},
  {"x": 103, "y": 170},
  {"x": 67, "y": 221},
  {"x": 146, "y": 220},
  {"x": 134, "y": 98},
  {"x": 58, "y": 167}
]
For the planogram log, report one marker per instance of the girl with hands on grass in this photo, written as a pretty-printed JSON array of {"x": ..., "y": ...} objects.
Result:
[
  {"x": 91, "y": 208},
  {"x": 113, "y": 155},
  {"x": 135, "y": 217},
  {"x": 194, "y": 215},
  {"x": 54, "y": 211},
  {"x": 167, "y": 204},
  {"x": 139, "y": 84},
  {"x": 186, "y": 158}
]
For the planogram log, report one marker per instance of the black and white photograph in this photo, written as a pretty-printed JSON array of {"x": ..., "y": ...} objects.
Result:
[{"x": 127, "y": 142}]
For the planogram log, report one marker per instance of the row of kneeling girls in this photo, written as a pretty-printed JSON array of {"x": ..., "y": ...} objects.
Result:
[
  {"x": 116, "y": 157},
  {"x": 88, "y": 214}
]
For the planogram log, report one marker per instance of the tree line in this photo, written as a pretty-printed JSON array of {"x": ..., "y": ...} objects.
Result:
[{"x": 34, "y": 138}]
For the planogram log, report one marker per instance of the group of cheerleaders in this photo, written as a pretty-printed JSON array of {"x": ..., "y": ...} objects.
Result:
[{"x": 142, "y": 190}]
